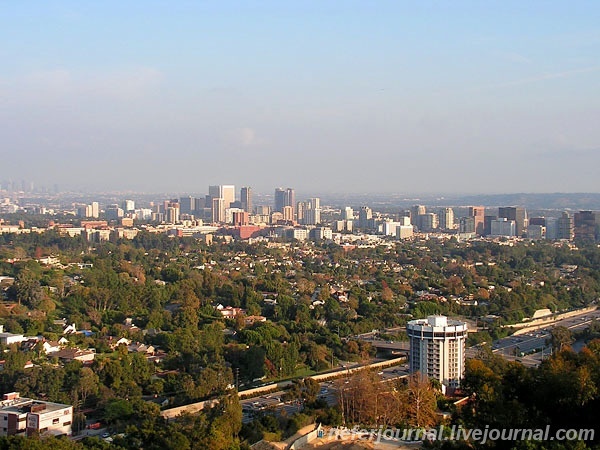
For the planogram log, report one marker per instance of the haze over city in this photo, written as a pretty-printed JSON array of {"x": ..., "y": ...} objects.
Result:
[{"x": 462, "y": 97}]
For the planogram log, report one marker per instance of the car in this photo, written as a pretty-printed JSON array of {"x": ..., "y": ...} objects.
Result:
[{"x": 105, "y": 435}]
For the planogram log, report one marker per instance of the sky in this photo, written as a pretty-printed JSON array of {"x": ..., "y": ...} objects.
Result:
[{"x": 323, "y": 96}]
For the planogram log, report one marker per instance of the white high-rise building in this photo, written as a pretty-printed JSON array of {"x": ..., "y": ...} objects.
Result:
[
  {"x": 95, "y": 210},
  {"x": 224, "y": 191},
  {"x": 404, "y": 231},
  {"x": 228, "y": 194},
  {"x": 389, "y": 227},
  {"x": 128, "y": 205},
  {"x": 312, "y": 211},
  {"x": 347, "y": 213},
  {"x": 437, "y": 348}
]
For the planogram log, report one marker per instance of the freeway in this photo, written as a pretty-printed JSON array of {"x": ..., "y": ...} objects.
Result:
[
  {"x": 274, "y": 403},
  {"x": 531, "y": 347}
]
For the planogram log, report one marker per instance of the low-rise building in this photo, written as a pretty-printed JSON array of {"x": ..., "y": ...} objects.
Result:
[{"x": 25, "y": 416}]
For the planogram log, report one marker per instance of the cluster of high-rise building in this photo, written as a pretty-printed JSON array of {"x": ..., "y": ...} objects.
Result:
[{"x": 224, "y": 206}]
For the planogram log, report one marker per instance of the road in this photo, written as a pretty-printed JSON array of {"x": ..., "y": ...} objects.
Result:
[
  {"x": 531, "y": 347},
  {"x": 275, "y": 403}
]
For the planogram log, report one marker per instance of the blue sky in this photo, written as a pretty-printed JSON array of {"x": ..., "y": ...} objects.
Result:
[{"x": 324, "y": 96}]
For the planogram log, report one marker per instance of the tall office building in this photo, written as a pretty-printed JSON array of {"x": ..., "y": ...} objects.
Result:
[
  {"x": 246, "y": 199},
  {"x": 428, "y": 222},
  {"x": 187, "y": 205},
  {"x": 518, "y": 214},
  {"x": 586, "y": 225},
  {"x": 564, "y": 227},
  {"x": 263, "y": 210},
  {"x": 300, "y": 208},
  {"x": 466, "y": 225},
  {"x": 228, "y": 194},
  {"x": 551, "y": 228},
  {"x": 172, "y": 211},
  {"x": 446, "y": 218},
  {"x": 95, "y": 210},
  {"x": 314, "y": 203},
  {"x": 415, "y": 212},
  {"x": 478, "y": 212},
  {"x": 365, "y": 214},
  {"x": 284, "y": 197},
  {"x": 437, "y": 348},
  {"x": 279, "y": 200},
  {"x": 224, "y": 191},
  {"x": 310, "y": 211},
  {"x": 218, "y": 210},
  {"x": 288, "y": 213},
  {"x": 537, "y": 221},
  {"x": 113, "y": 212},
  {"x": 128, "y": 206},
  {"x": 347, "y": 213},
  {"x": 487, "y": 224},
  {"x": 503, "y": 227}
]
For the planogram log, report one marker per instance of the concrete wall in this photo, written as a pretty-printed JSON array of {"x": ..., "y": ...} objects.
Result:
[
  {"x": 306, "y": 439},
  {"x": 195, "y": 407},
  {"x": 189, "y": 409},
  {"x": 548, "y": 320}
]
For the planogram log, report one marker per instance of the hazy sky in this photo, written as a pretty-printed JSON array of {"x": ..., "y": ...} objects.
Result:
[{"x": 332, "y": 96}]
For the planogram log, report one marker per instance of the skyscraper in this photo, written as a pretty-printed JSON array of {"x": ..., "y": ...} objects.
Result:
[
  {"x": 564, "y": 227},
  {"x": 416, "y": 211},
  {"x": 446, "y": 218},
  {"x": 246, "y": 199},
  {"x": 218, "y": 210},
  {"x": 288, "y": 213},
  {"x": 478, "y": 212},
  {"x": 347, "y": 213},
  {"x": 224, "y": 191},
  {"x": 187, "y": 205},
  {"x": 518, "y": 214},
  {"x": 428, "y": 222},
  {"x": 128, "y": 206},
  {"x": 437, "y": 348},
  {"x": 586, "y": 226},
  {"x": 284, "y": 197},
  {"x": 312, "y": 211},
  {"x": 95, "y": 210},
  {"x": 466, "y": 225},
  {"x": 228, "y": 194},
  {"x": 365, "y": 214},
  {"x": 300, "y": 208}
]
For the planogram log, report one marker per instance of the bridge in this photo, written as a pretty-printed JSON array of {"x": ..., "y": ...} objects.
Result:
[{"x": 393, "y": 347}]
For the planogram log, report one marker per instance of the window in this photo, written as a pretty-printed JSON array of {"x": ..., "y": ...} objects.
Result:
[
  {"x": 67, "y": 423},
  {"x": 5, "y": 417},
  {"x": 55, "y": 421},
  {"x": 42, "y": 430}
]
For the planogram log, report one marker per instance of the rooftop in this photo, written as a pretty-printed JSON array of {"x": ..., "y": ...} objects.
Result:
[{"x": 15, "y": 404}]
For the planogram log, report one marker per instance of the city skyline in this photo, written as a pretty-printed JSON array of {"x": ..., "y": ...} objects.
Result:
[{"x": 325, "y": 97}]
